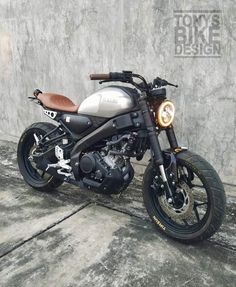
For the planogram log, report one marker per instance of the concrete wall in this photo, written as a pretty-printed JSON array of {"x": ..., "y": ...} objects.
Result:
[{"x": 54, "y": 45}]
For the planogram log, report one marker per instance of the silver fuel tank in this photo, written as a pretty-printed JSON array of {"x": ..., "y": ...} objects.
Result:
[{"x": 107, "y": 103}]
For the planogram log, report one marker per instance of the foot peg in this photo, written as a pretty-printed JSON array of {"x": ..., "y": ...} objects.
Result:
[{"x": 64, "y": 168}]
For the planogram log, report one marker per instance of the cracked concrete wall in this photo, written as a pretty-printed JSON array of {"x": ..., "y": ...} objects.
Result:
[{"x": 54, "y": 45}]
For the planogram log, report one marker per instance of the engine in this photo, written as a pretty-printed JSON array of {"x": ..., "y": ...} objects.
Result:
[{"x": 108, "y": 170}]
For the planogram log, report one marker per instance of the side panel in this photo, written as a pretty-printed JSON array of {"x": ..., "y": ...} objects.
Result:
[{"x": 76, "y": 123}]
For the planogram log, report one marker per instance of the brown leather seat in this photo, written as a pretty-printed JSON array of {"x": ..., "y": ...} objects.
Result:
[{"x": 57, "y": 102}]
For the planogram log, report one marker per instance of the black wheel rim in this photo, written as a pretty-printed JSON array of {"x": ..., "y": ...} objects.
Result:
[{"x": 33, "y": 172}]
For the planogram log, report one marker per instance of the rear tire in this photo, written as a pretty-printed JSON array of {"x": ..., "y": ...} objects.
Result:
[
  {"x": 215, "y": 194},
  {"x": 30, "y": 174}
]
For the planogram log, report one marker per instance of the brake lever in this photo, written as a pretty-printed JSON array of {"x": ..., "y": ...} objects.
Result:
[
  {"x": 109, "y": 80},
  {"x": 161, "y": 83},
  {"x": 114, "y": 80},
  {"x": 173, "y": 85},
  {"x": 104, "y": 81}
]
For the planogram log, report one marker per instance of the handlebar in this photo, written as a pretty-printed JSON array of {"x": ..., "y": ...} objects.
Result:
[
  {"x": 99, "y": 76},
  {"x": 127, "y": 77}
]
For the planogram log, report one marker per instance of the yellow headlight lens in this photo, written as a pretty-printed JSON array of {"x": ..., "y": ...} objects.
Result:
[{"x": 165, "y": 114}]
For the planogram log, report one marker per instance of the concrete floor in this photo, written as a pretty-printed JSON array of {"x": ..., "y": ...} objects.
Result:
[{"x": 71, "y": 238}]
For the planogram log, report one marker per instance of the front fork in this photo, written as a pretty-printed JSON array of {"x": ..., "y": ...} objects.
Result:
[{"x": 155, "y": 145}]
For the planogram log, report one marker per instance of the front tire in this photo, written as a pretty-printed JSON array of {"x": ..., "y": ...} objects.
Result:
[
  {"x": 34, "y": 177},
  {"x": 197, "y": 225}
]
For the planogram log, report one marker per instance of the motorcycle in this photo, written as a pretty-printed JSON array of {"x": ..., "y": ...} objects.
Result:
[{"x": 92, "y": 144}]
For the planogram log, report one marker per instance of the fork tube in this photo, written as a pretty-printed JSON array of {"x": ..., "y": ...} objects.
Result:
[
  {"x": 155, "y": 145},
  {"x": 154, "y": 142},
  {"x": 171, "y": 137}
]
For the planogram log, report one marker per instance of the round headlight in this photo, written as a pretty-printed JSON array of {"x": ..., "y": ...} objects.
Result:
[{"x": 165, "y": 114}]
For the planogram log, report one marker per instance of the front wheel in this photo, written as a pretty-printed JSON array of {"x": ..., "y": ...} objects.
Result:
[{"x": 199, "y": 206}]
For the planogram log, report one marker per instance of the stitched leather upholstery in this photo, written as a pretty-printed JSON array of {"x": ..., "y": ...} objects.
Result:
[{"x": 57, "y": 102}]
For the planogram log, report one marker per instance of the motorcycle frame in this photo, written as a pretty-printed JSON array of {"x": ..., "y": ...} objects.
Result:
[{"x": 140, "y": 118}]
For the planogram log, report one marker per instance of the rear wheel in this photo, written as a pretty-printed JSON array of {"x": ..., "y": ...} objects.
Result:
[
  {"x": 199, "y": 206},
  {"x": 36, "y": 178}
]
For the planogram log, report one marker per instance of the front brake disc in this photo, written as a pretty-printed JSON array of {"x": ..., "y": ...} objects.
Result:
[{"x": 184, "y": 211}]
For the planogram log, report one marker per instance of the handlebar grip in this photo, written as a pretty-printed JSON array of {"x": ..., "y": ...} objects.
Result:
[{"x": 99, "y": 76}]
